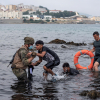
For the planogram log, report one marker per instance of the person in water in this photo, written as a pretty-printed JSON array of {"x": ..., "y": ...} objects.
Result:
[
  {"x": 23, "y": 59},
  {"x": 96, "y": 48},
  {"x": 69, "y": 71},
  {"x": 44, "y": 53}
]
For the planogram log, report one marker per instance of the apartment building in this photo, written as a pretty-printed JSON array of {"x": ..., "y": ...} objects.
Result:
[
  {"x": 10, "y": 15},
  {"x": 11, "y": 7}
]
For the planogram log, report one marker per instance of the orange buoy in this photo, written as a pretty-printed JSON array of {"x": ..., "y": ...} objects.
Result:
[{"x": 87, "y": 52}]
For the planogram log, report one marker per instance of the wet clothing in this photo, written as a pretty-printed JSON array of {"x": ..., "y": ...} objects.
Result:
[
  {"x": 20, "y": 73},
  {"x": 20, "y": 63},
  {"x": 96, "y": 44},
  {"x": 21, "y": 59},
  {"x": 52, "y": 64},
  {"x": 51, "y": 57},
  {"x": 72, "y": 72}
]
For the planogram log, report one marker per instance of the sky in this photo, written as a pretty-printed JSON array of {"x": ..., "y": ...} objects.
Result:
[{"x": 90, "y": 7}]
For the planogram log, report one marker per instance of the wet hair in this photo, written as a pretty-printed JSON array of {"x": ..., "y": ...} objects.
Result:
[
  {"x": 66, "y": 65},
  {"x": 96, "y": 33},
  {"x": 39, "y": 42}
]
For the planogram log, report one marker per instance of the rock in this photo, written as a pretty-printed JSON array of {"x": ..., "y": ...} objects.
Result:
[
  {"x": 63, "y": 46},
  {"x": 91, "y": 43},
  {"x": 58, "y": 41},
  {"x": 76, "y": 44},
  {"x": 93, "y": 94},
  {"x": 84, "y": 93}
]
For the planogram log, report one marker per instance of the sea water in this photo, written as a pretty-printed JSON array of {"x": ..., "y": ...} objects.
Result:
[{"x": 12, "y": 38}]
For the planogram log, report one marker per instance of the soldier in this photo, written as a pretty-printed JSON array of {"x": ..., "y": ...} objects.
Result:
[{"x": 22, "y": 59}]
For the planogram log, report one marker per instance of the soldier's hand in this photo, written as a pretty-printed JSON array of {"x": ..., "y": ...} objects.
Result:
[
  {"x": 29, "y": 54},
  {"x": 33, "y": 54},
  {"x": 33, "y": 64}
]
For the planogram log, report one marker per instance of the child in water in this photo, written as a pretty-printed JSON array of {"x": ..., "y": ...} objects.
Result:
[{"x": 68, "y": 70}]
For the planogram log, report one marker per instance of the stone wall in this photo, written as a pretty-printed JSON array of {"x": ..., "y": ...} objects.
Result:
[{"x": 11, "y": 21}]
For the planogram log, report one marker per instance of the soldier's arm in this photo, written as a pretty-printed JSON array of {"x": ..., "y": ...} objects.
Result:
[{"x": 23, "y": 57}]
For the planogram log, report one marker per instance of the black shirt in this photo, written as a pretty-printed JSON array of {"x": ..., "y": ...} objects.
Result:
[
  {"x": 96, "y": 44},
  {"x": 50, "y": 55},
  {"x": 72, "y": 72}
]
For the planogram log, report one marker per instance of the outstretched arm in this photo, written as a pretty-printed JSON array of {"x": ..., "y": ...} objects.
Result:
[
  {"x": 92, "y": 50},
  {"x": 37, "y": 62},
  {"x": 41, "y": 54}
]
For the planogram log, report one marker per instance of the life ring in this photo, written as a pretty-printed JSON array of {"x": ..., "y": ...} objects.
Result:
[{"x": 78, "y": 66}]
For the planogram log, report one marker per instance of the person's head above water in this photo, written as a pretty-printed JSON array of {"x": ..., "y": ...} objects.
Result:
[
  {"x": 39, "y": 44},
  {"x": 96, "y": 36},
  {"x": 66, "y": 67}
]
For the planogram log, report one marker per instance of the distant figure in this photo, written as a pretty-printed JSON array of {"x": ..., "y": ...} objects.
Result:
[
  {"x": 44, "y": 53},
  {"x": 96, "y": 48},
  {"x": 68, "y": 70}
]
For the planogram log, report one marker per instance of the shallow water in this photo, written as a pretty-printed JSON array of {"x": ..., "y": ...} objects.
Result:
[{"x": 67, "y": 89}]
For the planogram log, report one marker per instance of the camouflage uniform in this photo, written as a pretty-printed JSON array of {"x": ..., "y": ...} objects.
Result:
[{"x": 20, "y": 62}]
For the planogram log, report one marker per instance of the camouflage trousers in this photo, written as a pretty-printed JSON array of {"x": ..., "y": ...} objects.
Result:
[{"x": 20, "y": 73}]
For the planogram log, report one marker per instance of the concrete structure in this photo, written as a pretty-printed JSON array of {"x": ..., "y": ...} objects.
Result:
[
  {"x": 81, "y": 18},
  {"x": 11, "y": 21},
  {"x": 77, "y": 14}
]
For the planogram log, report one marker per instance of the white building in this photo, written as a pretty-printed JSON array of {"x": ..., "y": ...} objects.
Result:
[
  {"x": 26, "y": 17},
  {"x": 54, "y": 11},
  {"x": 47, "y": 17},
  {"x": 10, "y": 15}
]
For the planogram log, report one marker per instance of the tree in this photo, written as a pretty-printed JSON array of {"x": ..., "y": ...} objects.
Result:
[
  {"x": 26, "y": 13},
  {"x": 38, "y": 12},
  {"x": 43, "y": 7}
]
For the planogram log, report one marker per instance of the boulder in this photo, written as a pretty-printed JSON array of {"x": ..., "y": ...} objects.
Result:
[
  {"x": 93, "y": 94},
  {"x": 58, "y": 41}
]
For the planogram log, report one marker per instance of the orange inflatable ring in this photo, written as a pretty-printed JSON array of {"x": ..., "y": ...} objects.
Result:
[{"x": 87, "y": 52}]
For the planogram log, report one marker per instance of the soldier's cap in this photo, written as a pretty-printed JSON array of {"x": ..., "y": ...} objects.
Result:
[{"x": 28, "y": 40}]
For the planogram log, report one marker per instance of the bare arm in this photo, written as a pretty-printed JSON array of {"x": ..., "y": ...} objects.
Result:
[
  {"x": 92, "y": 50},
  {"x": 41, "y": 54},
  {"x": 37, "y": 62}
]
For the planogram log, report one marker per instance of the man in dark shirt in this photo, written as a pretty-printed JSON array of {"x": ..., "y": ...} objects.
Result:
[
  {"x": 96, "y": 48},
  {"x": 69, "y": 71},
  {"x": 48, "y": 55}
]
